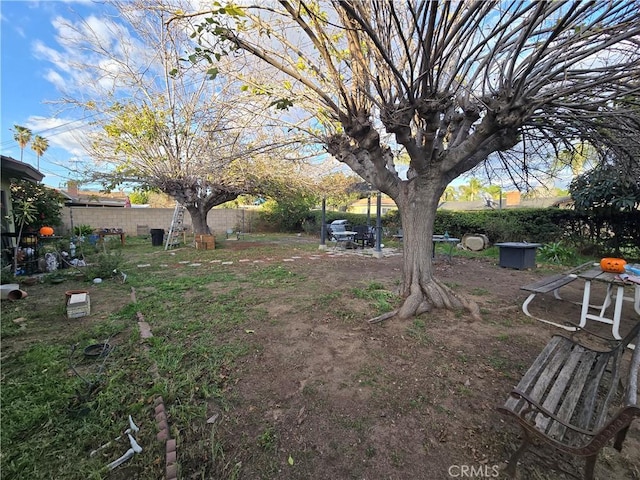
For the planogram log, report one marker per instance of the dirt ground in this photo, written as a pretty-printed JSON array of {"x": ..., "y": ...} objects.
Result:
[
  {"x": 330, "y": 396},
  {"x": 397, "y": 400}
]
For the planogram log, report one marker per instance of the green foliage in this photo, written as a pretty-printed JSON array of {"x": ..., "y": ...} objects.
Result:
[
  {"x": 607, "y": 198},
  {"x": 105, "y": 264},
  {"x": 382, "y": 299},
  {"x": 25, "y": 213},
  {"x": 590, "y": 233},
  {"x": 557, "y": 253},
  {"x": 267, "y": 440},
  {"x": 606, "y": 189},
  {"x": 530, "y": 224},
  {"x": 139, "y": 197},
  {"x": 287, "y": 214},
  {"x": 47, "y": 203},
  {"x": 587, "y": 233},
  {"x": 82, "y": 230}
]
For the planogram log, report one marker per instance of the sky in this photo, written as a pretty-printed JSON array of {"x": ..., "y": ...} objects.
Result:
[
  {"x": 33, "y": 63},
  {"x": 27, "y": 87}
]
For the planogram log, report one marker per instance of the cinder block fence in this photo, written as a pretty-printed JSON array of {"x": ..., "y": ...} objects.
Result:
[{"x": 130, "y": 220}]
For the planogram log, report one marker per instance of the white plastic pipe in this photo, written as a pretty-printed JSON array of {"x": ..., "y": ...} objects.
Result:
[{"x": 135, "y": 447}]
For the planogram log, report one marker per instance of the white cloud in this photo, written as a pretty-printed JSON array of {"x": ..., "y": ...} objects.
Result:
[
  {"x": 55, "y": 78},
  {"x": 61, "y": 132},
  {"x": 93, "y": 56},
  {"x": 43, "y": 52}
]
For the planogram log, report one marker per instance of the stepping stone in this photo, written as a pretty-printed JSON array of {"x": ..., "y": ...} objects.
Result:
[
  {"x": 227, "y": 263},
  {"x": 144, "y": 265},
  {"x": 195, "y": 264},
  {"x": 145, "y": 330}
]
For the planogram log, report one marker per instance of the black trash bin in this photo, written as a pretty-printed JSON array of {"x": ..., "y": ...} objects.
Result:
[{"x": 157, "y": 236}]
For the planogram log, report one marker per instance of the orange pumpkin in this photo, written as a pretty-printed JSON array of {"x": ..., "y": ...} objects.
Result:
[
  {"x": 612, "y": 265},
  {"x": 46, "y": 231}
]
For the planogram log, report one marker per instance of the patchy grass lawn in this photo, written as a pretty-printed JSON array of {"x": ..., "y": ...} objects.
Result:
[{"x": 268, "y": 369}]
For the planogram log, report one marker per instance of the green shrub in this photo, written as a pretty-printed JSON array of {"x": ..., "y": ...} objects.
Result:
[
  {"x": 557, "y": 253},
  {"x": 82, "y": 230},
  {"x": 105, "y": 264}
]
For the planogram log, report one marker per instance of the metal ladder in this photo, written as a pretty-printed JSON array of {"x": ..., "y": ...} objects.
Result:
[{"x": 176, "y": 229}]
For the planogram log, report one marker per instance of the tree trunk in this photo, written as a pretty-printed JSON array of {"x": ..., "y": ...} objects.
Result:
[
  {"x": 199, "y": 220},
  {"x": 417, "y": 203}
]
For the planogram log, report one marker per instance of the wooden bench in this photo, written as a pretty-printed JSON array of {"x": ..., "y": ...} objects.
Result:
[
  {"x": 553, "y": 284},
  {"x": 570, "y": 398}
]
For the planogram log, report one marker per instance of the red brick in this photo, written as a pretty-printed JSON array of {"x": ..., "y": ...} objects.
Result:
[
  {"x": 171, "y": 445},
  {"x": 163, "y": 425}
]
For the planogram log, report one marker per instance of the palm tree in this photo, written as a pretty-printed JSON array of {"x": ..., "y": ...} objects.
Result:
[
  {"x": 471, "y": 191},
  {"x": 22, "y": 135},
  {"x": 449, "y": 194},
  {"x": 39, "y": 145}
]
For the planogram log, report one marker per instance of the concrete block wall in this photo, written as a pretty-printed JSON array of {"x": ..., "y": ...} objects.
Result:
[{"x": 128, "y": 219}]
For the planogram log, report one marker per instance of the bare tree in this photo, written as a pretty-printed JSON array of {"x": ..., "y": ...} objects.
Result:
[
  {"x": 162, "y": 120},
  {"x": 450, "y": 82}
]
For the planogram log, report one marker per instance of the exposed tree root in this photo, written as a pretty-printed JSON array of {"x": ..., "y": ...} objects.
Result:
[
  {"x": 383, "y": 317},
  {"x": 423, "y": 298}
]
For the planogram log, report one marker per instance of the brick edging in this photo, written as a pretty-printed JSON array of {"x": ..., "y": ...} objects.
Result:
[{"x": 163, "y": 435}]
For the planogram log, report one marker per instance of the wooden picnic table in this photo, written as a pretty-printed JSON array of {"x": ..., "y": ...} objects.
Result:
[
  {"x": 612, "y": 281},
  {"x": 101, "y": 234}
]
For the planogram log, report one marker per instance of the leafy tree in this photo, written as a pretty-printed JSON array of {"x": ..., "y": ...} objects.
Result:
[
  {"x": 46, "y": 202},
  {"x": 609, "y": 196},
  {"x": 494, "y": 191},
  {"x": 288, "y": 213},
  {"x": 452, "y": 83},
  {"x": 449, "y": 194},
  {"x": 339, "y": 190},
  {"x": 22, "y": 135},
  {"x": 139, "y": 197},
  {"x": 607, "y": 189},
  {"x": 471, "y": 191},
  {"x": 39, "y": 145},
  {"x": 577, "y": 158}
]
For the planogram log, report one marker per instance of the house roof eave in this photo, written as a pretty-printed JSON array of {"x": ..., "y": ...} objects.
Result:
[{"x": 12, "y": 168}]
